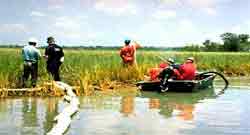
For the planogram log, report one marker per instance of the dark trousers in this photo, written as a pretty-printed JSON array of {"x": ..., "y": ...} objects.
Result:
[
  {"x": 53, "y": 69},
  {"x": 166, "y": 74},
  {"x": 30, "y": 70}
]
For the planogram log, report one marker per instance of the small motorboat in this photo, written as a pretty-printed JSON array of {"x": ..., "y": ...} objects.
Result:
[{"x": 202, "y": 81}]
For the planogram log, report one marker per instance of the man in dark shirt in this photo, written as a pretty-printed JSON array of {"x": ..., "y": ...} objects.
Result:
[{"x": 55, "y": 57}]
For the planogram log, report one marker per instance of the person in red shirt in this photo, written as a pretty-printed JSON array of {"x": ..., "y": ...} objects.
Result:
[
  {"x": 154, "y": 72},
  {"x": 186, "y": 70},
  {"x": 128, "y": 53}
]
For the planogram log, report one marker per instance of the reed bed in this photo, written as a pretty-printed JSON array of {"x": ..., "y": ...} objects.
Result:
[{"x": 96, "y": 69}]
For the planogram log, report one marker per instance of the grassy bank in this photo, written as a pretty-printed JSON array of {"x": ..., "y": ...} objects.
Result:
[{"x": 103, "y": 69}]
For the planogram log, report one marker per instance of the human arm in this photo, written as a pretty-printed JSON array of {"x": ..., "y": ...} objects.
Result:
[
  {"x": 38, "y": 54},
  {"x": 136, "y": 45},
  {"x": 25, "y": 54},
  {"x": 122, "y": 53},
  {"x": 46, "y": 53},
  {"x": 62, "y": 56}
]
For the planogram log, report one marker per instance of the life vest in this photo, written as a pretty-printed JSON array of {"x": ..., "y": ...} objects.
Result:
[
  {"x": 127, "y": 54},
  {"x": 186, "y": 72}
]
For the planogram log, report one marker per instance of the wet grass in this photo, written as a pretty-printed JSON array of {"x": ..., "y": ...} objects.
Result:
[{"x": 90, "y": 69}]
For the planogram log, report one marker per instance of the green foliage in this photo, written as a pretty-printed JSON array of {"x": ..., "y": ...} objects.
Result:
[
  {"x": 90, "y": 67},
  {"x": 243, "y": 38},
  {"x": 212, "y": 46},
  {"x": 192, "y": 48},
  {"x": 231, "y": 42}
]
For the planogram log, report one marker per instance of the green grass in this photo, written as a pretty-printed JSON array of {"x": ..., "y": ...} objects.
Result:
[{"x": 86, "y": 68}]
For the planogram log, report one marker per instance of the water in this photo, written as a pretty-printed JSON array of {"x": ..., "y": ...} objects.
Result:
[{"x": 147, "y": 114}]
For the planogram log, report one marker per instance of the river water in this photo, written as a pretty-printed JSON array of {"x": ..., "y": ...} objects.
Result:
[{"x": 149, "y": 113}]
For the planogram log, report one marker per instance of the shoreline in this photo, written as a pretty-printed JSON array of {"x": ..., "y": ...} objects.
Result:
[{"x": 114, "y": 88}]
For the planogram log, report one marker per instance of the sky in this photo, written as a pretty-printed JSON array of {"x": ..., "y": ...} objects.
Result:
[{"x": 109, "y": 22}]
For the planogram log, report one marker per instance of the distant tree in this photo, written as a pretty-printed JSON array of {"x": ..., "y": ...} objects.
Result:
[
  {"x": 211, "y": 46},
  {"x": 231, "y": 42},
  {"x": 243, "y": 38},
  {"x": 192, "y": 47}
]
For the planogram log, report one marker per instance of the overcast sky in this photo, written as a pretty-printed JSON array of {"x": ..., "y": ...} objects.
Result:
[{"x": 174, "y": 22}]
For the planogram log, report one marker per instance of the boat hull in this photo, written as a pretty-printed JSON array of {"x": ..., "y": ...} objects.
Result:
[{"x": 201, "y": 82}]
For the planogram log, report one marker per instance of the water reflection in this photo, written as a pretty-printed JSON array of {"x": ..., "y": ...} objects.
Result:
[
  {"x": 29, "y": 115},
  {"x": 185, "y": 111},
  {"x": 150, "y": 114},
  {"x": 177, "y": 104},
  {"x": 51, "y": 105},
  {"x": 154, "y": 103},
  {"x": 127, "y": 105}
]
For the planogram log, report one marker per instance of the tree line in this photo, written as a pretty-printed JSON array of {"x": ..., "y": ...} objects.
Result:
[{"x": 231, "y": 43}]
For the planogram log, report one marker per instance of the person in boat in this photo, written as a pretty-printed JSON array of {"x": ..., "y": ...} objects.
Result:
[
  {"x": 154, "y": 72},
  {"x": 186, "y": 70},
  {"x": 55, "y": 57},
  {"x": 31, "y": 55},
  {"x": 128, "y": 53},
  {"x": 168, "y": 73}
]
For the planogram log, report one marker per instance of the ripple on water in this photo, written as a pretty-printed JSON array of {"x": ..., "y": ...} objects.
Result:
[{"x": 160, "y": 114}]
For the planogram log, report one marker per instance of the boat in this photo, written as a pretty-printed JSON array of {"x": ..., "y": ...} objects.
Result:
[{"x": 202, "y": 81}]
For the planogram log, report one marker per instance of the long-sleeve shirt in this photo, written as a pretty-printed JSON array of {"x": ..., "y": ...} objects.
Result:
[
  {"x": 31, "y": 54},
  {"x": 186, "y": 72},
  {"x": 54, "y": 53}
]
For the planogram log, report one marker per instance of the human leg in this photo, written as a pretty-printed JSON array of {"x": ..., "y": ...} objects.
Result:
[
  {"x": 26, "y": 73},
  {"x": 34, "y": 74}
]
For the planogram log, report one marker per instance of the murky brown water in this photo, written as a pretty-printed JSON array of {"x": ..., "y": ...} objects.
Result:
[{"x": 147, "y": 114}]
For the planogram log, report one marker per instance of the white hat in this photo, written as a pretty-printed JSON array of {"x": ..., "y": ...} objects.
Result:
[
  {"x": 171, "y": 60},
  {"x": 33, "y": 40},
  {"x": 191, "y": 58}
]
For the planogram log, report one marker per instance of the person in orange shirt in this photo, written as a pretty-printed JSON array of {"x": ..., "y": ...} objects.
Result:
[
  {"x": 128, "y": 53},
  {"x": 186, "y": 70},
  {"x": 154, "y": 72}
]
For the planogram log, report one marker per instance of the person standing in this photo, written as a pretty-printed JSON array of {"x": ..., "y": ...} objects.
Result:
[
  {"x": 55, "y": 57},
  {"x": 30, "y": 55},
  {"x": 128, "y": 53}
]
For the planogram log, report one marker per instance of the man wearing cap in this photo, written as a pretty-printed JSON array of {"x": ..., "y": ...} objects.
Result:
[
  {"x": 157, "y": 73},
  {"x": 186, "y": 70},
  {"x": 55, "y": 57},
  {"x": 167, "y": 73},
  {"x": 31, "y": 55}
]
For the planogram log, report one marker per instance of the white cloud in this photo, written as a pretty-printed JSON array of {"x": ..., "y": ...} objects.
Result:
[
  {"x": 164, "y": 14},
  {"x": 210, "y": 11},
  {"x": 55, "y": 4},
  {"x": 152, "y": 30},
  {"x": 37, "y": 14},
  {"x": 206, "y": 6},
  {"x": 186, "y": 26},
  {"x": 243, "y": 28},
  {"x": 71, "y": 22},
  {"x": 72, "y": 28},
  {"x": 116, "y": 7},
  {"x": 170, "y": 2},
  {"x": 202, "y": 3},
  {"x": 236, "y": 29},
  {"x": 16, "y": 28},
  {"x": 248, "y": 24}
]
